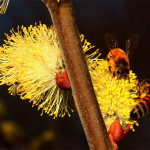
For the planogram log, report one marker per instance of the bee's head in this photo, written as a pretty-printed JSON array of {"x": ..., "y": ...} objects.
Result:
[{"x": 122, "y": 73}]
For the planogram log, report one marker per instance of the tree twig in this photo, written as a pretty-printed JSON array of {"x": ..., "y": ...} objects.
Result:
[{"x": 62, "y": 15}]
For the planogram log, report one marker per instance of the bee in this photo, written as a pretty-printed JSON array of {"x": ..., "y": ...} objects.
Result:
[
  {"x": 3, "y": 6},
  {"x": 142, "y": 108},
  {"x": 118, "y": 59}
]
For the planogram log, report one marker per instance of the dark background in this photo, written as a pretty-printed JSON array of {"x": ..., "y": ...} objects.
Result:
[{"x": 94, "y": 18}]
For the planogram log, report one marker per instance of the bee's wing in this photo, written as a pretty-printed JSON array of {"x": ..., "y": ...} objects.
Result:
[
  {"x": 145, "y": 82},
  {"x": 131, "y": 45},
  {"x": 3, "y": 6},
  {"x": 111, "y": 41}
]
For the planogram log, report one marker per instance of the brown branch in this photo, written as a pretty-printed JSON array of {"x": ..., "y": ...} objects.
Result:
[{"x": 63, "y": 19}]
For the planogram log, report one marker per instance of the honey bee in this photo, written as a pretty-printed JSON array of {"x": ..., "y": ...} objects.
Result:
[
  {"x": 118, "y": 60},
  {"x": 142, "y": 108},
  {"x": 3, "y": 6}
]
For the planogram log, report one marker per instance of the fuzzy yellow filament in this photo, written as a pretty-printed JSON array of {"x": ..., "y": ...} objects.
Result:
[
  {"x": 3, "y": 6},
  {"x": 30, "y": 59}
]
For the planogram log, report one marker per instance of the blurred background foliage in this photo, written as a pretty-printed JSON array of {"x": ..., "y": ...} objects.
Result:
[{"x": 21, "y": 126}]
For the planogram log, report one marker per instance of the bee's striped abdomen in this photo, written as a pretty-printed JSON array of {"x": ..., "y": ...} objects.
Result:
[{"x": 140, "y": 110}]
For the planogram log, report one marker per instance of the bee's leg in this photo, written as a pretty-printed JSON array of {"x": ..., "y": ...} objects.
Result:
[
  {"x": 114, "y": 73},
  {"x": 62, "y": 80},
  {"x": 117, "y": 132}
]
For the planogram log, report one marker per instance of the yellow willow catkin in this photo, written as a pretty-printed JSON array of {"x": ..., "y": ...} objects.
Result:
[
  {"x": 30, "y": 59},
  {"x": 115, "y": 96}
]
